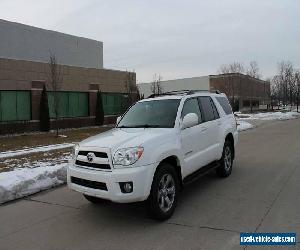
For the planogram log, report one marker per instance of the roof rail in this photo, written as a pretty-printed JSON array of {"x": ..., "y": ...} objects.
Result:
[{"x": 184, "y": 92}]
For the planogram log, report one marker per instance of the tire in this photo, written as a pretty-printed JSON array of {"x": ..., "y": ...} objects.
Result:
[
  {"x": 92, "y": 199},
  {"x": 164, "y": 193},
  {"x": 226, "y": 161}
]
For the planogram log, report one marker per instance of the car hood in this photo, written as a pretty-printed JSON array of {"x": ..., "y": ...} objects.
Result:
[{"x": 125, "y": 137}]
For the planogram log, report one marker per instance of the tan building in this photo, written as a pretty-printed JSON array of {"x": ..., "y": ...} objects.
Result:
[
  {"x": 24, "y": 71},
  {"x": 243, "y": 91}
]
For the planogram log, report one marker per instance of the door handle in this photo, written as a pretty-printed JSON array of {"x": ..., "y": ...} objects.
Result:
[
  {"x": 219, "y": 123},
  {"x": 203, "y": 129}
]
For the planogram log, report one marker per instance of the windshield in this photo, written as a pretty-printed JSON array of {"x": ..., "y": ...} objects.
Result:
[{"x": 151, "y": 114}]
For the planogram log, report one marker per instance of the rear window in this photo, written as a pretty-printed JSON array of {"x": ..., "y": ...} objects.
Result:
[{"x": 225, "y": 104}]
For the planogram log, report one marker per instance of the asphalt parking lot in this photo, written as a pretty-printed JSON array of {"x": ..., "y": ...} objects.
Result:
[{"x": 261, "y": 195}]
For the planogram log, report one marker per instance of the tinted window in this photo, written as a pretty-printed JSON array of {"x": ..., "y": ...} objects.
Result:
[
  {"x": 225, "y": 104},
  {"x": 156, "y": 113},
  {"x": 207, "y": 108},
  {"x": 216, "y": 113},
  {"x": 191, "y": 106}
]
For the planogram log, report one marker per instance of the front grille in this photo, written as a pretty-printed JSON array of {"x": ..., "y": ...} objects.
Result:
[
  {"x": 97, "y": 154},
  {"x": 92, "y": 165},
  {"x": 89, "y": 184}
]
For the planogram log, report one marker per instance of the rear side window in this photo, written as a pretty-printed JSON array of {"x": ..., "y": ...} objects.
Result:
[
  {"x": 216, "y": 113},
  {"x": 191, "y": 106},
  {"x": 225, "y": 104},
  {"x": 208, "y": 108}
]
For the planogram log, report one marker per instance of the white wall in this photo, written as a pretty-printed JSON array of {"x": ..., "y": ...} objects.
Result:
[
  {"x": 23, "y": 42},
  {"x": 193, "y": 83}
]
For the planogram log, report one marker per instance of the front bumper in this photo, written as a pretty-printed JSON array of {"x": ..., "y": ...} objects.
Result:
[{"x": 140, "y": 176}]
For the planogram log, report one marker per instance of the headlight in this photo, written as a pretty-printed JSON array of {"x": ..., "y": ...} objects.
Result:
[
  {"x": 75, "y": 151},
  {"x": 127, "y": 156}
]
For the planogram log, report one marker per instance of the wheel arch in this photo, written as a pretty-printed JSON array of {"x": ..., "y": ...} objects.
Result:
[{"x": 174, "y": 161}]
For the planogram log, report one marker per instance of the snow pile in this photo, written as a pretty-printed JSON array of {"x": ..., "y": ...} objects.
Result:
[
  {"x": 268, "y": 116},
  {"x": 26, "y": 151},
  {"x": 22, "y": 182},
  {"x": 242, "y": 125}
]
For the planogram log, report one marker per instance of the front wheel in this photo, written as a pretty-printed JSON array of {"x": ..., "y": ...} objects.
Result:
[
  {"x": 164, "y": 192},
  {"x": 226, "y": 161}
]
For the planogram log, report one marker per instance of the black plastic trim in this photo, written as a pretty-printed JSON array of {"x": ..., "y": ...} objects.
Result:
[
  {"x": 89, "y": 184},
  {"x": 92, "y": 165}
]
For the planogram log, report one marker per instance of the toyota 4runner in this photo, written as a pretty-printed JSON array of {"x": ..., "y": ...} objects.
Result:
[{"x": 157, "y": 146}]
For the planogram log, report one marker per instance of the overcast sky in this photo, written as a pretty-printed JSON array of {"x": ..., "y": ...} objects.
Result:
[{"x": 173, "y": 38}]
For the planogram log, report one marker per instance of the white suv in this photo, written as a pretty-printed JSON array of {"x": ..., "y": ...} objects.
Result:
[{"x": 158, "y": 145}]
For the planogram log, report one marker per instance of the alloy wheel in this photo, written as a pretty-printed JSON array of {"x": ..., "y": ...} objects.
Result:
[
  {"x": 166, "y": 192},
  {"x": 227, "y": 158}
]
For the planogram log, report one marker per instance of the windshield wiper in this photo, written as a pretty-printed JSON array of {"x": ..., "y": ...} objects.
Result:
[
  {"x": 141, "y": 126},
  {"x": 146, "y": 126}
]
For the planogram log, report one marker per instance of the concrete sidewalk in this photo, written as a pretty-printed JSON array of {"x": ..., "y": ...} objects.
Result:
[{"x": 261, "y": 195}]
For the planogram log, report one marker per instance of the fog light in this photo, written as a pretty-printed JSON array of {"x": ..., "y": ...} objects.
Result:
[{"x": 126, "y": 187}]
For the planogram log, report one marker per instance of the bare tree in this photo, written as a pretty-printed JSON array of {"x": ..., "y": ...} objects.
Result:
[
  {"x": 55, "y": 82},
  {"x": 290, "y": 77},
  {"x": 276, "y": 91},
  {"x": 234, "y": 67},
  {"x": 230, "y": 73},
  {"x": 297, "y": 81},
  {"x": 253, "y": 70},
  {"x": 131, "y": 88},
  {"x": 286, "y": 81},
  {"x": 267, "y": 92},
  {"x": 156, "y": 87}
]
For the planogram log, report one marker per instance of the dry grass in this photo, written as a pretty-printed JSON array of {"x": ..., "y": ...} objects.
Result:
[
  {"x": 35, "y": 139},
  {"x": 34, "y": 159},
  {"x": 41, "y": 139}
]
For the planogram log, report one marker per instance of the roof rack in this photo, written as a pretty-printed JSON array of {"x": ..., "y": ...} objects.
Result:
[{"x": 184, "y": 92}]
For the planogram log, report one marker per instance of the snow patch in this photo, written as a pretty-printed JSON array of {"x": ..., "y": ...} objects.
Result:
[
  {"x": 26, "y": 151},
  {"x": 268, "y": 116},
  {"x": 242, "y": 125},
  {"x": 62, "y": 136},
  {"x": 22, "y": 182}
]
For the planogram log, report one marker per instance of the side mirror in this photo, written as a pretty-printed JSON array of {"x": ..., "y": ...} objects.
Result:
[
  {"x": 118, "y": 119},
  {"x": 189, "y": 120}
]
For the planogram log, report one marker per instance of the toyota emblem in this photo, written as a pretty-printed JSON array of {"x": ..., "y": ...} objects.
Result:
[{"x": 90, "y": 157}]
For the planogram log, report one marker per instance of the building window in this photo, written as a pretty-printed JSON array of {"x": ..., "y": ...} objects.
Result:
[
  {"x": 15, "y": 106},
  {"x": 114, "y": 103},
  {"x": 70, "y": 104}
]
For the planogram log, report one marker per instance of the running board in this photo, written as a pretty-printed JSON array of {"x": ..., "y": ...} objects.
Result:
[{"x": 200, "y": 172}]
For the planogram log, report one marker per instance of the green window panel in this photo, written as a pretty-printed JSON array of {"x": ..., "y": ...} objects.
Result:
[
  {"x": 23, "y": 105},
  {"x": 73, "y": 104},
  {"x": 51, "y": 104},
  {"x": 70, "y": 104},
  {"x": 8, "y": 106},
  {"x": 113, "y": 103},
  {"x": 15, "y": 105},
  {"x": 63, "y": 104},
  {"x": 83, "y": 104}
]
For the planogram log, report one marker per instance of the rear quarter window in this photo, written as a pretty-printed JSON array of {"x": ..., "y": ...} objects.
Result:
[
  {"x": 224, "y": 104},
  {"x": 208, "y": 108}
]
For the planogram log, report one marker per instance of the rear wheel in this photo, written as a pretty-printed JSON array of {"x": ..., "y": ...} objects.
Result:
[
  {"x": 93, "y": 199},
  {"x": 226, "y": 161},
  {"x": 163, "y": 197}
]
